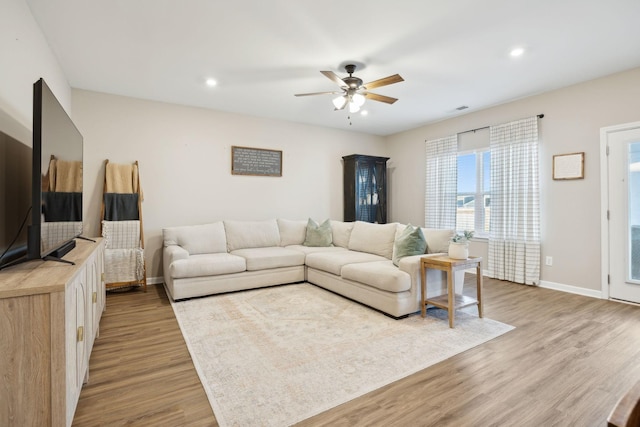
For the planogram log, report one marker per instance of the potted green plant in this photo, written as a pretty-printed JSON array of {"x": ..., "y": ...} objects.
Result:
[{"x": 459, "y": 245}]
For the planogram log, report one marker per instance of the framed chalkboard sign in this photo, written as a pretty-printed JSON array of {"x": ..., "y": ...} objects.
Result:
[{"x": 255, "y": 161}]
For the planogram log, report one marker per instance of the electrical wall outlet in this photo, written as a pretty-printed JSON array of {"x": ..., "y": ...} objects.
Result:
[{"x": 549, "y": 260}]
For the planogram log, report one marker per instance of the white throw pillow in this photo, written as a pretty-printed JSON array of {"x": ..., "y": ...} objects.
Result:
[
  {"x": 252, "y": 234},
  {"x": 292, "y": 232},
  {"x": 373, "y": 238}
]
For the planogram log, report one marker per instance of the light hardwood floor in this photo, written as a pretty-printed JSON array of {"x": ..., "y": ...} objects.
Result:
[{"x": 567, "y": 362}]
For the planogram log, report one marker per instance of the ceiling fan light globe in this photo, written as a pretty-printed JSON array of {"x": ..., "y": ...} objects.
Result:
[
  {"x": 353, "y": 107},
  {"x": 358, "y": 99},
  {"x": 340, "y": 102}
]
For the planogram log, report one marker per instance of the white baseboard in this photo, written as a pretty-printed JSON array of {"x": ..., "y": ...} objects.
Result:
[
  {"x": 155, "y": 280},
  {"x": 560, "y": 287},
  {"x": 571, "y": 289}
]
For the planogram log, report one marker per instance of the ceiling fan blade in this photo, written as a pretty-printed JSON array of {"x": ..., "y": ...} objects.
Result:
[
  {"x": 318, "y": 93},
  {"x": 385, "y": 81},
  {"x": 333, "y": 76},
  {"x": 381, "y": 98}
]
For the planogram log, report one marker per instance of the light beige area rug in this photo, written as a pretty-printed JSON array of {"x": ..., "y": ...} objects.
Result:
[{"x": 275, "y": 356}]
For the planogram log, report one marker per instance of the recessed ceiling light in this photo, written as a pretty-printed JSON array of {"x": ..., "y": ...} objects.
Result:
[
  {"x": 211, "y": 82},
  {"x": 518, "y": 51}
]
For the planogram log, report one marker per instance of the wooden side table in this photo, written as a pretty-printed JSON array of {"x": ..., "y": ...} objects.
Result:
[{"x": 450, "y": 301}]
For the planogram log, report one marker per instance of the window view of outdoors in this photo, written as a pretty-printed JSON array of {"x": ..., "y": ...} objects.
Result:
[{"x": 474, "y": 200}]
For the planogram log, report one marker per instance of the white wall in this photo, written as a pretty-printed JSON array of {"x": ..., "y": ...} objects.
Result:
[
  {"x": 26, "y": 57},
  {"x": 185, "y": 164},
  {"x": 185, "y": 160},
  {"x": 570, "y": 222}
]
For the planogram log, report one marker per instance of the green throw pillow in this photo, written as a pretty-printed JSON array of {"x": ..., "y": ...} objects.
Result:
[
  {"x": 318, "y": 235},
  {"x": 410, "y": 242}
]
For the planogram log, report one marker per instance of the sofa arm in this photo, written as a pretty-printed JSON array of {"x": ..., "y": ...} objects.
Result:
[
  {"x": 411, "y": 265},
  {"x": 174, "y": 252},
  {"x": 170, "y": 254}
]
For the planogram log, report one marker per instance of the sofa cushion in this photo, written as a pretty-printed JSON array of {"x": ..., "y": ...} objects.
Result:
[
  {"x": 273, "y": 257},
  {"x": 437, "y": 239},
  {"x": 318, "y": 234},
  {"x": 410, "y": 241},
  {"x": 341, "y": 232},
  {"x": 207, "y": 265},
  {"x": 332, "y": 262},
  {"x": 373, "y": 238},
  {"x": 380, "y": 274},
  {"x": 252, "y": 234},
  {"x": 292, "y": 232},
  {"x": 313, "y": 249},
  {"x": 197, "y": 239}
]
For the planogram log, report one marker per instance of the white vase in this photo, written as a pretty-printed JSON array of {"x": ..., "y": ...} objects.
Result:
[{"x": 458, "y": 250}]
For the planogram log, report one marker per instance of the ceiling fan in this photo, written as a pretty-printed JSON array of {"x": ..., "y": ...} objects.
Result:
[{"x": 354, "y": 92}]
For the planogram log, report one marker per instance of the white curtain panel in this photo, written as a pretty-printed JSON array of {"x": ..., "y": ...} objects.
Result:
[
  {"x": 514, "y": 239},
  {"x": 441, "y": 188}
]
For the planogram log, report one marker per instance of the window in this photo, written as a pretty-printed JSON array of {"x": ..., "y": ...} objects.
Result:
[{"x": 474, "y": 197}]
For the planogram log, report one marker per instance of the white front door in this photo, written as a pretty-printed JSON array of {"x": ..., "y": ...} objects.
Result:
[{"x": 623, "y": 170}]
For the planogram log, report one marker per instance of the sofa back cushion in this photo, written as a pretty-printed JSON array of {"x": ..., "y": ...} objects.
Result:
[
  {"x": 197, "y": 239},
  {"x": 292, "y": 232},
  {"x": 373, "y": 238},
  {"x": 252, "y": 234},
  {"x": 437, "y": 239},
  {"x": 341, "y": 233}
]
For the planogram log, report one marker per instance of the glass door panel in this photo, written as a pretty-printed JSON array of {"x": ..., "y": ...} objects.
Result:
[{"x": 633, "y": 253}]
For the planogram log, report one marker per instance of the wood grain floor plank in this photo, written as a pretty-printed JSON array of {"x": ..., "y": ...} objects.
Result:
[
  {"x": 567, "y": 362},
  {"x": 141, "y": 373}
]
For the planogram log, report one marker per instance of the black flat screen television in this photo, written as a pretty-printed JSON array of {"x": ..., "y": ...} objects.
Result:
[
  {"x": 56, "y": 179},
  {"x": 56, "y": 176}
]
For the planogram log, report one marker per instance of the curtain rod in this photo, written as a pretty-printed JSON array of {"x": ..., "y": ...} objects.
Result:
[{"x": 487, "y": 127}]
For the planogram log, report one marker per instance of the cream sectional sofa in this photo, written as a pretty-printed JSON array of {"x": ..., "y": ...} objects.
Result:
[{"x": 235, "y": 255}]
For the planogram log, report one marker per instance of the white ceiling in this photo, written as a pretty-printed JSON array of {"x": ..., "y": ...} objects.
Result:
[{"x": 262, "y": 52}]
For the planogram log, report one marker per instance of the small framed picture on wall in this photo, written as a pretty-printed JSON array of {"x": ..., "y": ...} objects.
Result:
[{"x": 568, "y": 166}]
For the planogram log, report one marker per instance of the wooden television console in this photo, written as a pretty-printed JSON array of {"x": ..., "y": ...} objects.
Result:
[{"x": 49, "y": 318}]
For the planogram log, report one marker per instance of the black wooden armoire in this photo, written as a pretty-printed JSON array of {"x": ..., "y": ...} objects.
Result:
[{"x": 365, "y": 188}]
